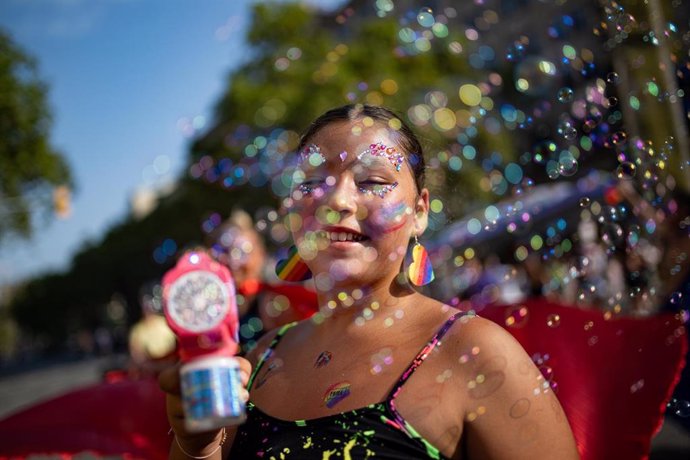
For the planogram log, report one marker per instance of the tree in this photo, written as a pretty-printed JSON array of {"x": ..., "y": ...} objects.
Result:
[
  {"x": 306, "y": 61},
  {"x": 30, "y": 168},
  {"x": 462, "y": 95}
]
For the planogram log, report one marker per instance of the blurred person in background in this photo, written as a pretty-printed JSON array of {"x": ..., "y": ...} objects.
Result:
[
  {"x": 261, "y": 304},
  {"x": 152, "y": 344}
]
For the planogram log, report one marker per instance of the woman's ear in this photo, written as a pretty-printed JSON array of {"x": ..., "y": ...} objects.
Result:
[{"x": 421, "y": 212}]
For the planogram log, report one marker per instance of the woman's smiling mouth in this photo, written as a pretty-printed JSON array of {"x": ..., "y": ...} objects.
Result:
[{"x": 342, "y": 235}]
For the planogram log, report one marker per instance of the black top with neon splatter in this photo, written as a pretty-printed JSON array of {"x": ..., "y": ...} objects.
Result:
[{"x": 375, "y": 431}]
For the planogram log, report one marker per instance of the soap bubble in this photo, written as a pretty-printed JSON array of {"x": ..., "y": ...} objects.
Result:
[
  {"x": 612, "y": 78},
  {"x": 553, "y": 320},
  {"x": 564, "y": 95},
  {"x": 626, "y": 170},
  {"x": 425, "y": 17}
]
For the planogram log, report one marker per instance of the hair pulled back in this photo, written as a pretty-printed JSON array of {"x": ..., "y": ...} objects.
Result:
[{"x": 404, "y": 137}]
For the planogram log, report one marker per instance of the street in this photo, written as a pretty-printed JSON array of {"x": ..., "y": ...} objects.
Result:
[{"x": 22, "y": 390}]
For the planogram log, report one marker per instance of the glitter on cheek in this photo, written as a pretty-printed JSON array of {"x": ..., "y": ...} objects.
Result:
[
  {"x": 395, "y": 212},
  {"x": 387, "y": 219}
]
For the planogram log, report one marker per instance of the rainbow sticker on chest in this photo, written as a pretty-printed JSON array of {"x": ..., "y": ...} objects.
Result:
[{"x": 336, "y": 393}]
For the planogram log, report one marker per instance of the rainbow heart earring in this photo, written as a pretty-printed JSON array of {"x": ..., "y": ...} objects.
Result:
[
  {"x": 420, "y": 272},
  {"x": 293, "y": 267}
]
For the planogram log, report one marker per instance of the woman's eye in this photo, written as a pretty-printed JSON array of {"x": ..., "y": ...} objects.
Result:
[
  {"x": 309, "y": 185},
  {"x": 376, "y": 187}
]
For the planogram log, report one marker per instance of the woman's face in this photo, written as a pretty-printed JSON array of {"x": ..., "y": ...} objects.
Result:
[{"x": 355, "y": 204}]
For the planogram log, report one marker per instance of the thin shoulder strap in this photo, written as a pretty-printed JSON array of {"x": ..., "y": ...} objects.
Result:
[
  {"x": 268, "y": 351},
  {"x": 422, "y": 355}
]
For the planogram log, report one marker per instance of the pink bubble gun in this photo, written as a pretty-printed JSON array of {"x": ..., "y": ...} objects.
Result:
[{"x": 200, "y": 306}]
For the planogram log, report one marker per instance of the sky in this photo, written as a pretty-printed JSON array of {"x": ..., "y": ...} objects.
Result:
[{"x": 130, "y": 83}]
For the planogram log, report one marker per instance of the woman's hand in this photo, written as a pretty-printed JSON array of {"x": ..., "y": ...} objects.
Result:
[{"x": 195, "y": 444}]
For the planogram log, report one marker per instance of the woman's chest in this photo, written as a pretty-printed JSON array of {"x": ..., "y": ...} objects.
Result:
[{"x": 324, "y": 383}]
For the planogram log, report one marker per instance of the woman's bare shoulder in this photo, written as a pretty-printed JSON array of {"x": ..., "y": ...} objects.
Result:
[
  {"x": 477, "y": 331},
  {"x": 267, "y": 339},
  {"x": 506, "y": 397}
]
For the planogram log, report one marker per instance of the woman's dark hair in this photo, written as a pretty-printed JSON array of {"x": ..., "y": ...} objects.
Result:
[{"x": 406, "y": 139}]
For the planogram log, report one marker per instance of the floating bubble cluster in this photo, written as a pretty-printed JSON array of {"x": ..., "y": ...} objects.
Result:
[
  {"x": 679, "y": 407},
  {"x": 519, "y": 126}
]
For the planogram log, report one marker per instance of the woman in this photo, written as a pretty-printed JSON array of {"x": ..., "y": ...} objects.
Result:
[{"x": 381, "y": 371}]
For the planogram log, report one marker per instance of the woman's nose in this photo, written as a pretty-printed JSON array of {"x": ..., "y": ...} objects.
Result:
[{"x": 342, "y": 196}]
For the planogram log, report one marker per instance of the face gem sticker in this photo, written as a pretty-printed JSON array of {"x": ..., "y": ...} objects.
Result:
[
  {"x": 379, "y": 149},
  {"x": 379, "y": 190},
  {"x": 312, "y": 156},
  {"x": 336, "y": 393},
  {"x": 323, "y": 359},
  {"x": 343, "y": 155},
  {"x": 389, "y": 217}
]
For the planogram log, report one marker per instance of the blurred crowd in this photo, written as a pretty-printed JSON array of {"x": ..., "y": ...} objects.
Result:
[{"x": 636, "y": 266}]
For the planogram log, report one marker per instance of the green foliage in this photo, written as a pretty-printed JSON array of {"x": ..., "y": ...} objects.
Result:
[
  {"x": 55, "y": 305},
  {"x": 29, "y": 166},
  {"x": 303, "y": 64}
]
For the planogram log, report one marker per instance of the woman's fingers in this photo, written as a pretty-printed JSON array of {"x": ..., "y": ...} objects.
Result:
[{"x": 245, "y": 369}]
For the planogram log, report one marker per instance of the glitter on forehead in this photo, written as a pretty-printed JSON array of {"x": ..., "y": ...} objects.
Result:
[
  {"x": 312, "y": 155},
  {"x": 380, "y": 149}
]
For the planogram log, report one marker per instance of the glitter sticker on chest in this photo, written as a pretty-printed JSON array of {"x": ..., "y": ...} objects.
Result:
[
  {"x": 323, "y": 359},
  {"x": 336, "y": 393}
]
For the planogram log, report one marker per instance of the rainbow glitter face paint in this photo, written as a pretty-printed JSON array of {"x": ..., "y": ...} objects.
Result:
[
  {"x": 336, "y": 393},
  {"x": 388, "y": 218},
  {"x": 394, "y": 213}
]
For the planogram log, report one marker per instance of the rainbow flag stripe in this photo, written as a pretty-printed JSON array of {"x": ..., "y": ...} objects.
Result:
[{"x": 293, "y": 268}]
